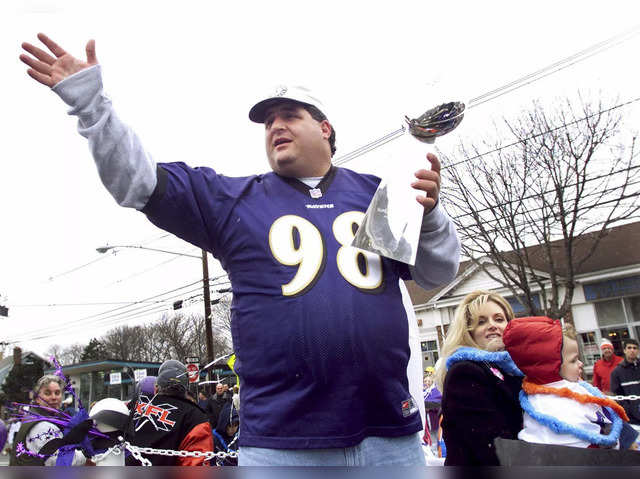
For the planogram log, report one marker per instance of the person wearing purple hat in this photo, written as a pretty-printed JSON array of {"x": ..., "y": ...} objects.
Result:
[
  {"x": 146, "y": 386},
  {"x": 318, "y": 325}
]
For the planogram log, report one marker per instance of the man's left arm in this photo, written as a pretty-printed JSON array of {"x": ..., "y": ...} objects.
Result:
[{"x": 438, "y": 255}]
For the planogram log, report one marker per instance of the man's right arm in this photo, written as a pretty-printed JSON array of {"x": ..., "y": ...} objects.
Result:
[{"x": 125, "y": 168}]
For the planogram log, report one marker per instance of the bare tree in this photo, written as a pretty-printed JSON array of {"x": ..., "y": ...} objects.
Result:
[
  {"x": 173, "y": 336},
  {"x": 125, "y": 343},
  {"x": 539, "y": 202},
  {"x": 65, "y": 355},
  {"x": 221, "y": 318}
]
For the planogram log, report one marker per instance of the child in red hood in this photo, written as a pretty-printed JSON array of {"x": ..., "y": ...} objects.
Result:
[{"x": 559, "y": 408}]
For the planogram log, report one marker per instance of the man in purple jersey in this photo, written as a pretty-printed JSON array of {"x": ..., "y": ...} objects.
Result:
[{"x": 318, "y": 326}]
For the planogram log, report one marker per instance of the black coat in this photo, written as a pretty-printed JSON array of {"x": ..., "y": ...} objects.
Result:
[
  {"x": 169, "y": 422},
  {"x": 625, "y": 381},
  {"x": 477, "y": 407},
  {"x": 214, "y": 406}
]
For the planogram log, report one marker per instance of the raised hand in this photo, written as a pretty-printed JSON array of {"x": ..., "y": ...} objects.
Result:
[
  {"x": 48, "y": 69},
  {"x": 429, "y": 182}
]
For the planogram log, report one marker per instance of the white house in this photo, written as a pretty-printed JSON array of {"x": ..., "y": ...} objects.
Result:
[{"x": 606, "y": 301}]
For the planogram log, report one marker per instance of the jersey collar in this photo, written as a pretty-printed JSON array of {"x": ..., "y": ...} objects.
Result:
[{"x": 313, "y": 193}]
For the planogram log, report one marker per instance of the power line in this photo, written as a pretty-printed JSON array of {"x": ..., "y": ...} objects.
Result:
[
  {"x": 61, "y": 305},
  {"x": 535, "y": 195},
  {"x": 497, "y": 229},
  {"x": 507, "y": 88},
  {"x": 135, "y": 310},
  {"x": 97, "y": 315},
  {"x": 531, "y": 210},
  {"x": 76, "y": 268},
  {"x": 555, "y": 67},
  {"x": 517, "y": 142}
]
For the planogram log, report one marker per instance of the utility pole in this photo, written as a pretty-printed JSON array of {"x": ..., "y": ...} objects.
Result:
[{"x": 207, "y": 306}]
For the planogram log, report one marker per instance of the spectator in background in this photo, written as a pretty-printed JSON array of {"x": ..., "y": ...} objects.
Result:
[
  {"x": 603, "y": 367},
  {"x": 228, "y": 393},
  {"x": 67, "y": 406},
  {"x": 226, "y": 433},
  {"x": 144, "y": 387},
  {"x": 202, "y": 400},
  {"x": 14, "y": 427},
  {"x": 169, "y": 420},
  {"x": 215, "y": 404},
  {"x": 432, "y": 403},
  {"x": 236, "y": 397},
  {"x": 625, "y": 380}
]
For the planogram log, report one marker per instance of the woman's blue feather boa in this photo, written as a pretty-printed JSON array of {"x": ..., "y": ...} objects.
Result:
[{"x": 499, "y": 358}]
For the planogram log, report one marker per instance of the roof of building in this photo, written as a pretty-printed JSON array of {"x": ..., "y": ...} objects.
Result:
[
  {"x": 6, "y": 363},
  {"x": 617, "y": 248},
  {"x": 104, "y": 365}
]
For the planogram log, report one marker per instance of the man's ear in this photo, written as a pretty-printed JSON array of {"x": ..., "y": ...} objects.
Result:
[{"x": 326, "y": 129}]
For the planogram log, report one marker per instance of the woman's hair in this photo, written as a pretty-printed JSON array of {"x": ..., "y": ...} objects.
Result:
[
  {"x": 45, "y": 380},
  {"x": 465, "y": 321}
]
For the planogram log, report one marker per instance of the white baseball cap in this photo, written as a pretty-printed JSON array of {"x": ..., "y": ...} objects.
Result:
[{"x": 298, "y": 94}]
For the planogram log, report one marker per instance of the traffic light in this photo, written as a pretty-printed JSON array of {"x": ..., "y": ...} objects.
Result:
[{"x": 4, "y": 311}]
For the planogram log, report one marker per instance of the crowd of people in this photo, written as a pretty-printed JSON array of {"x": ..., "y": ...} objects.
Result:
[
  {"x": 318, "y": 325},
  {"x": 161, "y": 415},
  {"x": 499, "y": 377}
]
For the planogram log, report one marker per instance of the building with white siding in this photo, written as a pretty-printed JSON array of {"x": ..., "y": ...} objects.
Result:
[{"x": 606, "y": 300}]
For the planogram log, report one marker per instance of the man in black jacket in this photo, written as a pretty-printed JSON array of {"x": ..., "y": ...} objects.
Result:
[
  {"x": 625, "y": 380},
  {"x": 216, "y": 403},
  {"x": 168, "y": 420}
]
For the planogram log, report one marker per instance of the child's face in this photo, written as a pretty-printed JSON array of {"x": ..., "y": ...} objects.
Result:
[
  {"x": 571, "y": 368},
  {"x": 232, "y": 429}
]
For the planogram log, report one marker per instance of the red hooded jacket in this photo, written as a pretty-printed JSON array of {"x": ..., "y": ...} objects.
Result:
[{"x": 535, "y": 345}]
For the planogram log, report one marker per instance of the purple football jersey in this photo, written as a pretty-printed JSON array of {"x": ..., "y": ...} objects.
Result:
[{"x": 319, "y": 328}]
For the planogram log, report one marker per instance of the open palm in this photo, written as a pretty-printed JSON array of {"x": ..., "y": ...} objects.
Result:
[{"x": 48, "y": 69}]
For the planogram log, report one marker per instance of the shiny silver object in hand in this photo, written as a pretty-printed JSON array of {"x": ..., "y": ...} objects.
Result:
[
  {"x": 391, "y": 225},
  {"x": 437, "y": 121}
]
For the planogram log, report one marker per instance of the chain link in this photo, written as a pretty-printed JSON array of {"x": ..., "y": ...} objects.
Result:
[
  {"x": 115, "y": 450},
  {"x": 631, "y": 397},
  {"x": 138, "y": 451}
]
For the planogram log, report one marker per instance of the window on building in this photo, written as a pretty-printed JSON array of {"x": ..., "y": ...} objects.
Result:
[
  {"x": 518, "y": 309},
  {"x": 634, "y": 309},
  {"x": 610, "y": 312},
  {"x": 429, "y": 353},
  {"x": 589, "y": 347}
]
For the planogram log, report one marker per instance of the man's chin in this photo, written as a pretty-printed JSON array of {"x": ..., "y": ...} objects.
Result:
[{"x": 286, "y": 167}]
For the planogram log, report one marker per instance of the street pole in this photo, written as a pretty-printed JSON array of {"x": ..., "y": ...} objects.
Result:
[
  {"x": 207, "y": 306},
  {"x": 205, "y": 287}
]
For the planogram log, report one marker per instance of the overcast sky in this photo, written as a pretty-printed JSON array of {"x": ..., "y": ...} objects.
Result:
[{"x": 184, "y": 75}]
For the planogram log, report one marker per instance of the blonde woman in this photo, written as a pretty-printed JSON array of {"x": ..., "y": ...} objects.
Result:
[{"x": 479, "y": 381}]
